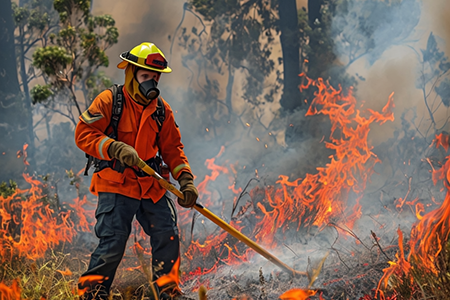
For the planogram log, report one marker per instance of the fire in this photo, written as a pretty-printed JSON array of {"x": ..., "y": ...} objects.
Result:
[
  {"x": 400, "y": 267},
  {"x": 66, "y": 272},
  {"x": 316, "y": 200},
  {"x": 297, "y": 294},
  {"x": 89, "y": 280},
  {"x": 23, "y": 153},
  {"x": 85, "y": 217},
  {"x": 429, "y": 233},
  {"x": 435, "y": 225},
  {"x": 10, "y": 293},
  {"x": 29, "y": 228},
  {"x": 172, "y": 277}
]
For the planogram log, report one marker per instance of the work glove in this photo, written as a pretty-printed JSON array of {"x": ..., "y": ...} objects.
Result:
[
  {"x": 188, "y": 189},
  {"x": 124, "y": 153}
]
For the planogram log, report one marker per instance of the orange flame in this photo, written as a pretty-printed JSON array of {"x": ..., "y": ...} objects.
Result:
[
  {"x": 297, "y": 294},
  {"x": 443, "y": 140},
  {"x": 10, "y": 293},
  {"x": 66, "y": 272},
  {"x": 82, "y": 214},
  {"x": 89, "y": 280},
  {"x": 400, "y": 267},
  {"x": 172, "y": 277},
  {"x": 434, "y": 226},
  {"x": 317, "y": 198},
  {"x": 429, "y": 233},
  {"x": 29, "y": 228}
]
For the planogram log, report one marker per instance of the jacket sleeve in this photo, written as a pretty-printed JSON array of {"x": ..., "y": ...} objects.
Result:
[
  {"x": 171, "y": 146},
  {"x": 90, "y": 131}
]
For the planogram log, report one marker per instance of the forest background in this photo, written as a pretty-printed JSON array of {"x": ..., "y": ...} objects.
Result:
[{"x": 235, "y": 82}]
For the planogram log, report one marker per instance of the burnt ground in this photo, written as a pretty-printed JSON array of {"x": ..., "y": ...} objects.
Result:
[{"x": 351, "y": 271}]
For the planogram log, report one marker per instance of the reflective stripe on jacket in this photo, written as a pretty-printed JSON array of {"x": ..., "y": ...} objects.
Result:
[{"x": 136, "y": 128}]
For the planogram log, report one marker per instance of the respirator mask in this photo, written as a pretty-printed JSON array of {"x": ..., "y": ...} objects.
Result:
[{"x": 148, "y": 89}]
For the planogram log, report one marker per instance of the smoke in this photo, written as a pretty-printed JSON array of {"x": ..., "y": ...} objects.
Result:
[
  {"x": 390, "y": 61},
  {"x": 389, "y": 65},
  {"x": 149, "y": 21}
]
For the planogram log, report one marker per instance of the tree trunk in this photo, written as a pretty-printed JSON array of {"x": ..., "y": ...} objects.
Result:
[
  {"x": 13, "y": 115},
  {"x": 290, "y": 45}
]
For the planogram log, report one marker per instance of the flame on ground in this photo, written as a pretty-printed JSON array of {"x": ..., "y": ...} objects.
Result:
[
  {"x": 297, "y": 294},
  {"x": 10, "y": 293},
  {"x": 429, "y": 234},
  {"x": 30, "y": 227},
  {"x": 315, "y": 200}
]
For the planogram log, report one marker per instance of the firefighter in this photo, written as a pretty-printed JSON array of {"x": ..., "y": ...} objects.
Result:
[{"x": 123, "y": 190}]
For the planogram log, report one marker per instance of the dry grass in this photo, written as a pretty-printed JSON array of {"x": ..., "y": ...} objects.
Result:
[{"x": 421, "y": 283}]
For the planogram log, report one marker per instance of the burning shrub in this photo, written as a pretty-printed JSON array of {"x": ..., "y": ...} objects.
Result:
[
  {"x": 426, "y": 272},
  {"x": 29, "y": 226}
]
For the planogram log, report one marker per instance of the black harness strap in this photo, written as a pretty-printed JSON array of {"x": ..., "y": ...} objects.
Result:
[
  {"x": 117, "y": 108},
  {"x": 159, "y": 116}
]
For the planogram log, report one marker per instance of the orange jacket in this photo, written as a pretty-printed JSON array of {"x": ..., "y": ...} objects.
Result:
[{"x": 138, "y": 129}]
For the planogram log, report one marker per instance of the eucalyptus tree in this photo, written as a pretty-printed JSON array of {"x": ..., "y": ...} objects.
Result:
[
  {"x": 237, "y": 37},
  {"x": 34, "y": 21},
  {"x": 71, "y": 58}
]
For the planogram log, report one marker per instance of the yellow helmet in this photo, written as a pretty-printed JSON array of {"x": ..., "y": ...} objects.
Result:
[{"x": 147, "y": 56}]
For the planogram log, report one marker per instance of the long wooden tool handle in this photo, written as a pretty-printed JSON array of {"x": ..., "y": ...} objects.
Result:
[{"x": 218, "y": 221}]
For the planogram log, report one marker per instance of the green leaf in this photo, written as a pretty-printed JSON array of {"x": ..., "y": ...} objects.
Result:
[
  {"x": 40, "y": 93},
  {"x": 51, "y": 59}
]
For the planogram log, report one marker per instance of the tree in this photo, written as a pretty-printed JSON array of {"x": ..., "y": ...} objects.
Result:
[
  {"x": 235, "y": 39},
  {"x": 434, "y": 78},
  {"x": 72, "y": 57},
  {"x": 34, "y": 20},
  {"x": 33, "y": 24},
  {"x": 66, "y": 63},
  {"x": 13, "y": 112},
  {"x": 289, "y": 38}
]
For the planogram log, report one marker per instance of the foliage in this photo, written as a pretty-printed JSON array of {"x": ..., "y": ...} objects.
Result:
[
  {"x": 420, "y": 283},
  {"x": 48, "y": 278},
  {"x": 6, "y": 189},
  {"x": 34, "y": 18},
  {"x": 443, "y": 90},
  {"x": 73, "y": 55},
  {"x": 52, "y": 60},
  {"x": 34, "y": 22},
  {"x": 40, "y": 93},
  {"x": 240, "y": 38}
]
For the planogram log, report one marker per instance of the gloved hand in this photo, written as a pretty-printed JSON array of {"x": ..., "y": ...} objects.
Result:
[
  {"x": 123, "y": 153},
  {"x": 188, "y": 189}
]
